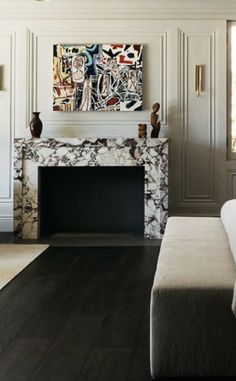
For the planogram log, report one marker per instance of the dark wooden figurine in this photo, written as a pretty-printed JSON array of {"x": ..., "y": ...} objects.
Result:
[
  {"x": 154, "y": 121},
  {"x": 142, "y": 130}
]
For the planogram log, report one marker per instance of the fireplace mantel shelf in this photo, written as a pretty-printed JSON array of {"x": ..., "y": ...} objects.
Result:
[{"x": 32, "y": 153}]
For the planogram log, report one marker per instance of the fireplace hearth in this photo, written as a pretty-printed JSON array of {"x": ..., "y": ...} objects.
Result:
[
  {"x": 149, "y": 154},
  {"x": 91, "y": 201}
]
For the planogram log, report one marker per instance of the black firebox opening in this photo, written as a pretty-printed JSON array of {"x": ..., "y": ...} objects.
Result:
[{"x": 91, "y": 200}]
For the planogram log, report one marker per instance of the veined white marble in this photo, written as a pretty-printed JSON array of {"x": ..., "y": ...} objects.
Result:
[{"x": 32, "y": 153}]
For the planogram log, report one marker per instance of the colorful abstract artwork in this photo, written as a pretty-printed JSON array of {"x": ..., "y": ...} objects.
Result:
[{"x": 102, "y": 77}]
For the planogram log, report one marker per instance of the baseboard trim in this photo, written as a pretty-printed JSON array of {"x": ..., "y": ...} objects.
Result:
[{"x": 6, "y": 224}]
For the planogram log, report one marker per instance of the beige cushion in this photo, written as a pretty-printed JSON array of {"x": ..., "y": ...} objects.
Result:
[
  {"x": 193, "y": 254},
  {"x": 228, "y": 217}
]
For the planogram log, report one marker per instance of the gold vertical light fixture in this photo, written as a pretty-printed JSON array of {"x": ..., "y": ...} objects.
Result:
[{"x": 198, "y": 79}]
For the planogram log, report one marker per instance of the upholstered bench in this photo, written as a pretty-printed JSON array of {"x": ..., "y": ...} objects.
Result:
[{"x": 192, "y": 325}]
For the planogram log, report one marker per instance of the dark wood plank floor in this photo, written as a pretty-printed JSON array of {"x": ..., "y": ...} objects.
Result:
[{"x": 79, "y": 314}]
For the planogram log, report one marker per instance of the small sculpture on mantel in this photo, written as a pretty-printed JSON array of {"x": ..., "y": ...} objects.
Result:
[
  {"x": 142, "y": 131},
  {"x": 156, "y": 125}
]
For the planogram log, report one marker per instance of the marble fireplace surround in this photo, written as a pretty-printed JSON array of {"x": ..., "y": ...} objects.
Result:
[{"x": 29, "y": 154}]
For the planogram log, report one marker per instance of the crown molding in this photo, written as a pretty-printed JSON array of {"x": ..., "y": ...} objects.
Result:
[{"x": 111, "y": 9}]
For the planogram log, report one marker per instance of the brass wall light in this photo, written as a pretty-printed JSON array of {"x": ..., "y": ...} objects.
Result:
[
  {"x": 1, "y": 78},
  {"x": 198, "y": 80}
]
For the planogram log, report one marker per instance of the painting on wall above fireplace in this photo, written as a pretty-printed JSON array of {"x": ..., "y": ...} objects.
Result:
[{"x": 97, "y": 77}]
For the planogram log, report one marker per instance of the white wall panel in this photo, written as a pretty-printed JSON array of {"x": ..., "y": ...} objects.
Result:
[
  {"x": 231, "y": 184},
  {"x": 198, "y": 122},
  {"x": 7, "y": 66},
  {"x": 172, "y": 47},
  {"x": 40, "y": 74},
  {"x": 197, "y": 144}
]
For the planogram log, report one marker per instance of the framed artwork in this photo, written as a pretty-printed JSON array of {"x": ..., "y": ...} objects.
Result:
[{"x": 97, "y": 77}]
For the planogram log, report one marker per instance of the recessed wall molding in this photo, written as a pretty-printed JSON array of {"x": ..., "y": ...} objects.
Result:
[
  {"x": 31, "y": 77},
  {"x": 231, "y": 183},
  {"x": 8, "y": 101},
  {"x": 7, "y": 107},
  {"x": 171, "y": 32},
  {"x": 197, "y": 120},
  {"x": 38, "y": 43}
]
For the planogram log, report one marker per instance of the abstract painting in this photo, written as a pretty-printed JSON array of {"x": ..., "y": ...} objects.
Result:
[{"x": 97, "y": 77}]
